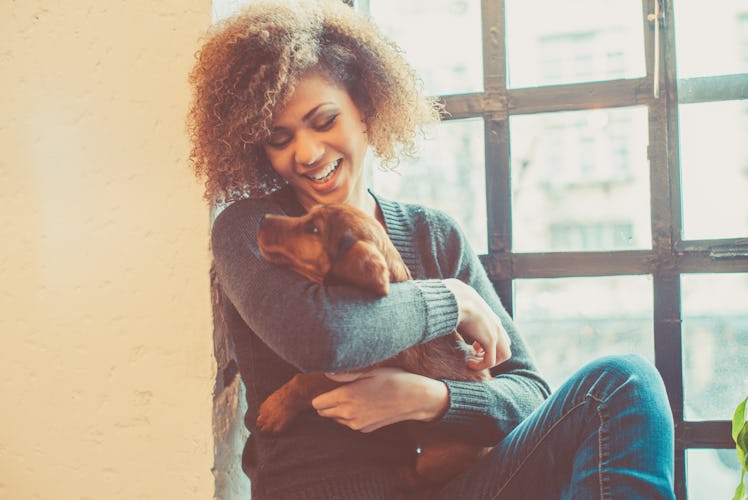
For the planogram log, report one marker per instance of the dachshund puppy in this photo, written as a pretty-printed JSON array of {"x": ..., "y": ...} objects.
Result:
[{"x": 341, "y": 244}]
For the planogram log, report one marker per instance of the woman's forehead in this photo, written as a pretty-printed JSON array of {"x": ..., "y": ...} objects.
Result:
[{"x": 311, "y": 92}]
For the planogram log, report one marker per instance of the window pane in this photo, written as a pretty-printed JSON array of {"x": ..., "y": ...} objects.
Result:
[
  {"x": 570, "y": 321},
  {"x": 715, "y": 344},
  {"x": 441, "y": 39},
  {"x": 711, "y": 474},
  {"x": 580, "y": 181},
  {"x": 573, "y": 41},
  {"x": 714, "y": 169},
  {"x": 449, "y": 174},
  {"x": 711, "y": 40}
]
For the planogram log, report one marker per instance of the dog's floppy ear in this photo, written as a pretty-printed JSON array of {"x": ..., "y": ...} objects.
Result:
[{"x": 364, "y": 266}]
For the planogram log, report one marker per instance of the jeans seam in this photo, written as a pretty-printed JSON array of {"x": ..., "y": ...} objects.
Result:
[
  {"x": 535, "y": 447},
  {"x": 602, "y": 440}
]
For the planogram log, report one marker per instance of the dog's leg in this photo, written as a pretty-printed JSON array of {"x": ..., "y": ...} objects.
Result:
[{"x": 283, "y": 405}]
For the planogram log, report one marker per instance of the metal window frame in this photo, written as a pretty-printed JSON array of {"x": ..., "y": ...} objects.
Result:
[{"x": 670, "y": 256}]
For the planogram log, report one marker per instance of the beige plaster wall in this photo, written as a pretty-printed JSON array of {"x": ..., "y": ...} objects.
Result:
[{"x": 106, "y": 361}]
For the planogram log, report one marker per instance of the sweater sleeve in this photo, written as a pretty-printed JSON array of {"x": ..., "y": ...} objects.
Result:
[
  {"x": 485, "y": 412},
  {"x": 316, "y": 327}
]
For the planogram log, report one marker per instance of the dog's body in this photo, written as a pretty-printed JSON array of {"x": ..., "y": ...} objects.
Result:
[{"x": 338, "y": 243}]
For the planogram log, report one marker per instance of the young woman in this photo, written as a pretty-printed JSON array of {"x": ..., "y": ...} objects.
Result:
[{"x": 288, "y": 98}]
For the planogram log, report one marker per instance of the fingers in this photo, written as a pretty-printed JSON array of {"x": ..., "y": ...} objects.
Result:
[
  {"x": 489, "y": 358},
  {"x": 376, "y": 399},
  {"x": 326, "y": 402},
  {"x": 495, "y": 351},
  {"x": 343, "y": 414},
  {"x": 496, "y": 343},
  {"x": 483, "y": 364},
  {"x": 476, "y": 320}
]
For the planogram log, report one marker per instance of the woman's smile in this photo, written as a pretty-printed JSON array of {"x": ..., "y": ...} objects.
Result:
[{"x": 326, "y": 174}]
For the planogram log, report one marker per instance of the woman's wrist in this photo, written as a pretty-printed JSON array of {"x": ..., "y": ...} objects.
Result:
[
  {"x": 466, "y": 298},
  {"x": 433, "y": 397},
  {"x": 458, "y": 289}
]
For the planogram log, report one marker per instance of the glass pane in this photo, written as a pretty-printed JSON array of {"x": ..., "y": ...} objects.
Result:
[
  {"x": 570, "y": 321},
  {"x": 711, "y": 474},
  {"x": 551, "y": 42},
  {"x": 714, "y": 169},
  {"x": 711, "y": 39},
  {"x": 449, "y": 175},
  {"x": 715, "y": 344},
  {"x": 580, "y": 181},
  {"x": 440, "y": 38},
  {"x": 222, "y": 9}
]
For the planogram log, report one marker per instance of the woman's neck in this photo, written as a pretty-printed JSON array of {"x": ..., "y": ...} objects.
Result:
[{"x": 359, "y": 198}]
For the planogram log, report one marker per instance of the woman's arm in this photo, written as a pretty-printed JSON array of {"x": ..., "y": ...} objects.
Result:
[
  {"x": 485, "y": 412},
  {"x": 315, "y": 327},
  {"x": 482, "y": 412}
]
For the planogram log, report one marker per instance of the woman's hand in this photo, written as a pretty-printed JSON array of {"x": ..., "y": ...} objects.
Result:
[
  {"x": 478, "y": 322},
  {"x": 382, "y": 396}
]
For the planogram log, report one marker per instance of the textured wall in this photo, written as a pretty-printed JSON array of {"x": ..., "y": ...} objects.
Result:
[{"x": 106, "y": 361}]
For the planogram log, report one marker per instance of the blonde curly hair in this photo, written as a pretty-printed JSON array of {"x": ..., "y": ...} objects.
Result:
[{"x": 249, "y": 66}]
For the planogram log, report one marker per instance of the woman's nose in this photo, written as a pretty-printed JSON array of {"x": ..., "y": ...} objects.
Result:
[{"x": 308, "y": 150}]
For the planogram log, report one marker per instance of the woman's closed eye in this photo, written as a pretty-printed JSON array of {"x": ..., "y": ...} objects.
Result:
[
  {"x": 325, "y": 123},
  {"x": 279, "y": 139}
]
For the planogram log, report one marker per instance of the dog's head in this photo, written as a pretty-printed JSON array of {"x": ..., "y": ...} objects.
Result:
[{"x": 333, "y": 243}]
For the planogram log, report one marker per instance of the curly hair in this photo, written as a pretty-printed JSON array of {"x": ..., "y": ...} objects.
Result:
[{"x": 249, "y": 66}]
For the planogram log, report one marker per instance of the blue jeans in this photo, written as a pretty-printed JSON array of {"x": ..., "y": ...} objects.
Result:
[{"x": 606, "y": 433}]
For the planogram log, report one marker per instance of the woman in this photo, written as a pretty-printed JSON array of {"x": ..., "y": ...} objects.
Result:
[{"x": 288, "y": 98}]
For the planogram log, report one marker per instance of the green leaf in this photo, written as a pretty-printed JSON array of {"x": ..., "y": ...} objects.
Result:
[
  {"x": 741, "y": 445},
  {"x": 739, "y": 491},
  {"x": 738, "y": 420},
  {"x": 740, "y": 436}
]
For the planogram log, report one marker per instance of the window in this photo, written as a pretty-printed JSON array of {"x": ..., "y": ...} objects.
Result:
[{"x": 574, "y": 178}]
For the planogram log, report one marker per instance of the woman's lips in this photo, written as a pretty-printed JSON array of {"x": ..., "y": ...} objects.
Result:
[{"x": 324, "y": 175}]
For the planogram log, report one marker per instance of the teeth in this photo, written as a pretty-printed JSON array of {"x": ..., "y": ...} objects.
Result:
[{"x": 325, "y": 173}]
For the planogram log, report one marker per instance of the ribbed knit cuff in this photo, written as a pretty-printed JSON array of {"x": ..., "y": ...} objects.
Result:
[
  {"x": 441, "y": 308},
  {"x": 467, "y": 400}
]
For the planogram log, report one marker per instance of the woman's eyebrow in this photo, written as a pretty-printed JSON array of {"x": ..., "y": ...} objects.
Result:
[
  {"x": 311, "y": 112},
  {"x": 305, "y": 118}
]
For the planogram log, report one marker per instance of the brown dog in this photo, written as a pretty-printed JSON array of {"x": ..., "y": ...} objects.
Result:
[{"x": 339, "y": 243}]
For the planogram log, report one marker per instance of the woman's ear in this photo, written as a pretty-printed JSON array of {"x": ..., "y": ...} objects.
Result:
[{"x": 364, "y": 266}]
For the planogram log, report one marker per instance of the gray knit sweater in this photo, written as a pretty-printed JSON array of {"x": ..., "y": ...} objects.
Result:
[{"x": 281, "y": 324}]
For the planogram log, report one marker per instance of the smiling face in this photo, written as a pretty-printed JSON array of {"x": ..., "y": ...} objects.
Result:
[{"x": 318, "y": 143}]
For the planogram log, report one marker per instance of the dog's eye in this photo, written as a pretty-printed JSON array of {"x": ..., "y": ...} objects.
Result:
[{"x": 310, "y": 228}]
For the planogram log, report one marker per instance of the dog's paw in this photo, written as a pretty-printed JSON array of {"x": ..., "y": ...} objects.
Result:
[{"x": 273, "y": 417}]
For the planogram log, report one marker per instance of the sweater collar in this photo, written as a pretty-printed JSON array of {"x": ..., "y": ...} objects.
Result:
[{"x": 400, "y": 231}]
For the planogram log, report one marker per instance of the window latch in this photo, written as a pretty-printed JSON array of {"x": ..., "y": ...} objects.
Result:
[
  {"x": 655, "y": 18},
  {"x": 737, "y": 250}
]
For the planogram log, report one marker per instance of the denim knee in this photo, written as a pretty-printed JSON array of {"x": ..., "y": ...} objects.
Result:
[{"x": 633, "y": 378}]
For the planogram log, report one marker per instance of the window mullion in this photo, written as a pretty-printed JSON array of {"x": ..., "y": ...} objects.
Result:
[
  {"x": 666, "y": 230},
  {"x": 497, "y": 161}
]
